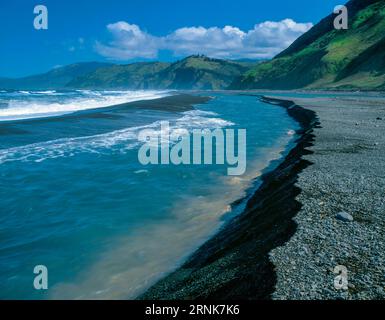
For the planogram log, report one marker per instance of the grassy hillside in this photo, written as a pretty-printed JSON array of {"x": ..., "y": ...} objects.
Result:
[
  {"x": 327, "y": 58},
  {"x": 134, "y": 76},
  {"x": 194, "y": 72},
  {"x": 200, "y": 72}
]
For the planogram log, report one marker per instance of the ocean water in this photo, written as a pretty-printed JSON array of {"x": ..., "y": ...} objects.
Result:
[{"x": 74, "y": 197}]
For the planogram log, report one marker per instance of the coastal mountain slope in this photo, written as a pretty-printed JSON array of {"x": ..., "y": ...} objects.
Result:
[
  {"x": 194, "y": 72},
  {"x": 134, "y": 76},
  {"x": 54, "y": 79},
  {"x": 200, "y": 72},
  {"x": 326, "y": 58}
]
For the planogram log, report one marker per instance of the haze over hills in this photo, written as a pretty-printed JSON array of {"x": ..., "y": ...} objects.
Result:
[
  {"x": 134, "y": 76},
  {"x": 194, "y": 72},
  {"x": 325, "y": 58},
  {"x": 54, "y": 79}
]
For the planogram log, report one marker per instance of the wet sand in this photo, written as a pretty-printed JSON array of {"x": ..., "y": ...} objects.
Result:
[{"x": 174, "y": 103}]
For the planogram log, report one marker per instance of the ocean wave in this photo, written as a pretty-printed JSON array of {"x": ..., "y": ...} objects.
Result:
[
  {"x": 112, "y": 142},
  {"x": 27, "y": 109},
  {"x": 31, "y": 92},
  {"x": 198, "y": 118},
  {"x": 45, "y": 92}
]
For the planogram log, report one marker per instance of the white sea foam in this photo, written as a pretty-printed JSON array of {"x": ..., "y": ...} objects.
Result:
[
  {"x": 27, "y": 109},
  {"x": 198, "y": 118},
  {"x": 46, "y": 92},
  {"x": 291, "y": 133},
  {"x": 116, "y": 141},
  {"x": 140, "y": 171}
]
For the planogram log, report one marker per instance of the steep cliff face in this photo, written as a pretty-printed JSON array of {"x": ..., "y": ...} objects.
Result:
[{"x": 326, "y": 58}]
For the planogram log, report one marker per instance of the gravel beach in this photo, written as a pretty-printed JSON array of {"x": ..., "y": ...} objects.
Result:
[
  {"x": 322, "y": 207},
  {"x": 347, "y": 176}
]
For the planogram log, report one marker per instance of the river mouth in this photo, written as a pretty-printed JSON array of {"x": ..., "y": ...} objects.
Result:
[{"x": 108, "y": 227}]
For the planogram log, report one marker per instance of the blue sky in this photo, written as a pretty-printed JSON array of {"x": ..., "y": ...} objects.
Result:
[{"x": 124, "y": 31}]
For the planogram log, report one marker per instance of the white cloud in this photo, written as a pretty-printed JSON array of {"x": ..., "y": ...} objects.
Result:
[
  {"x": 129, "y": 41},
  {"x": 263, "y": 41},
  {"x": 215, "y": 42}
]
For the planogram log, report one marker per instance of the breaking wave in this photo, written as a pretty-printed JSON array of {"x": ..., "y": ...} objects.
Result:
[
  {"x": 40, "y": 104},
  {"x": 116, "y": 141}
]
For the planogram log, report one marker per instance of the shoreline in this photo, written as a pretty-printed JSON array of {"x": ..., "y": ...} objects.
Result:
[
  {"x": 175, "y": 102},
  {"x": 194, "y": 221},
  {"x": 234, "y": 263}
]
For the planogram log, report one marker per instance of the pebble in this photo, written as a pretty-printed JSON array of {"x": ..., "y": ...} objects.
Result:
[
  {"x": 344, "y": 216},
  {"x": 338, "y": 182},
  {"x": 380, "y": 290}
]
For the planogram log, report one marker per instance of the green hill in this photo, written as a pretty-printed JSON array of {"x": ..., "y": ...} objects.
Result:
[
  {"x": 54, "y": 79},
  {"x": 325, "y": 58},
  {"x": 194, "y": 72},
  {"x": 134, "y": 76},
  {"x": 200, "y": 72}
]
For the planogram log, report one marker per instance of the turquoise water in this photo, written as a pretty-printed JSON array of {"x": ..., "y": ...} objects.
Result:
[{"x": 75, "y": 198}]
